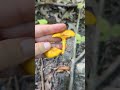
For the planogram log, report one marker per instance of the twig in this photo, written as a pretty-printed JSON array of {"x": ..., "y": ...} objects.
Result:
[
  {"x": 71, "y": 75},
  {"x": 56, "y": 4},
  {"x": 80, "y": 56},
  {"x": 74, "y": 56},
  {"x": 42, "y": 76}
]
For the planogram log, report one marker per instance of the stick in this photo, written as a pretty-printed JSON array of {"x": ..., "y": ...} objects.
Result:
[
  {"x": 56, "y": 4},
  {"x": 74, "y": 56},
  {"x": 80, "y": 56},
  {"x": 42, "y": 76}
]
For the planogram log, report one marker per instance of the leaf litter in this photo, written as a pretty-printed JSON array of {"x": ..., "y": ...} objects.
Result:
[{"x": 57, "y": 70}]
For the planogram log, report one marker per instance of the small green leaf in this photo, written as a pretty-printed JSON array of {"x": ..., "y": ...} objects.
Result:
[
  {"x": 79, "y": 38},
  {"x": 80, "y": 5},
  {"x": 83, "y": 39},
  {"x": 42, "y": 21}
]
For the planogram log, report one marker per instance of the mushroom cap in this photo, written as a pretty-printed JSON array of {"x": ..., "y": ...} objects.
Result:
[
  {"x": 53, "y": 52},
  {"x": 68, "y": 33},
  {"x": 65, "y": 34},
  {"x": 57, "y": 35}
]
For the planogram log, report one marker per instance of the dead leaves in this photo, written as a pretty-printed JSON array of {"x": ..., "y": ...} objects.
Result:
[{"x": 61, "y": 69}]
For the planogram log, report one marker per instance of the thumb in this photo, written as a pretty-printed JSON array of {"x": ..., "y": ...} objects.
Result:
[
  {"x": 15, "y": 51},
  {"x": 41, "y": 47}
]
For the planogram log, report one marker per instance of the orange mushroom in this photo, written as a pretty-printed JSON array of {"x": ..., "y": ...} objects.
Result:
[
  {"x": 64, "y": 35},
  {"x": 53, "y": 52}
]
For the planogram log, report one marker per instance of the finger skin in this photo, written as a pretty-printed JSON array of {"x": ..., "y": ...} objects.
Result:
[
  {"x": 21, "y": 30},
  {"x": 57, "y": 45},
  {"x": 16, "y": 12},
  {"x": 47, "y": 38},
  {"x": 40, "y": 48},
  {"x": 12, "y": 52},
  {"x": 42, "y": 30}
]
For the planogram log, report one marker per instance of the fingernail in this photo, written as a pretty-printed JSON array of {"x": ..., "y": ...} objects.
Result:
[
  {"x": 61, "y": 26},
  {"x": 47, "y": 45},
  {"x": 28, "y": 48}
]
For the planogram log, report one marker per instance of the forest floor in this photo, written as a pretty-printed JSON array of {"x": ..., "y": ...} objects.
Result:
[{"x": 66, "y": 12}]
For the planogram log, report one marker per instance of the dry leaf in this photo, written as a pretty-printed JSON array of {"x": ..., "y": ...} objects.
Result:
[
  {"x": 59, "y": 71},
  {"x": 62, "y": 68}
]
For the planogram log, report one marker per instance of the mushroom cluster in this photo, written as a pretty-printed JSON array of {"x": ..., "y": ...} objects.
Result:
[{"x": 53, "y": 52}]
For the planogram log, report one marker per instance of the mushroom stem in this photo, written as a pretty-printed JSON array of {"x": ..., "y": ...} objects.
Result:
[{"x": 63, "y": 45}]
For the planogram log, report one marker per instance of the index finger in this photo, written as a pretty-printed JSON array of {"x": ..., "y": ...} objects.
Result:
[{"x": 42, "y": 30}]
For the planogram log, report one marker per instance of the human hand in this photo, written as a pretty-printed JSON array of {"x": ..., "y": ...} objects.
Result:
[
  {"x": 43, "y": 37},
  {"x": 16, "y": 32}
]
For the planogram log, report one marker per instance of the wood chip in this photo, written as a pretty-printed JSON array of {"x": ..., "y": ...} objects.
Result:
[{"x": 62, "y": 68}]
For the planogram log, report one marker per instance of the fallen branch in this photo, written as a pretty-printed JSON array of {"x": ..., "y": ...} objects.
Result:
[
  {"x": 80, "y": 56},
  {"x": 56, "y": 4},
  {"x": 74, "y": 56}
]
